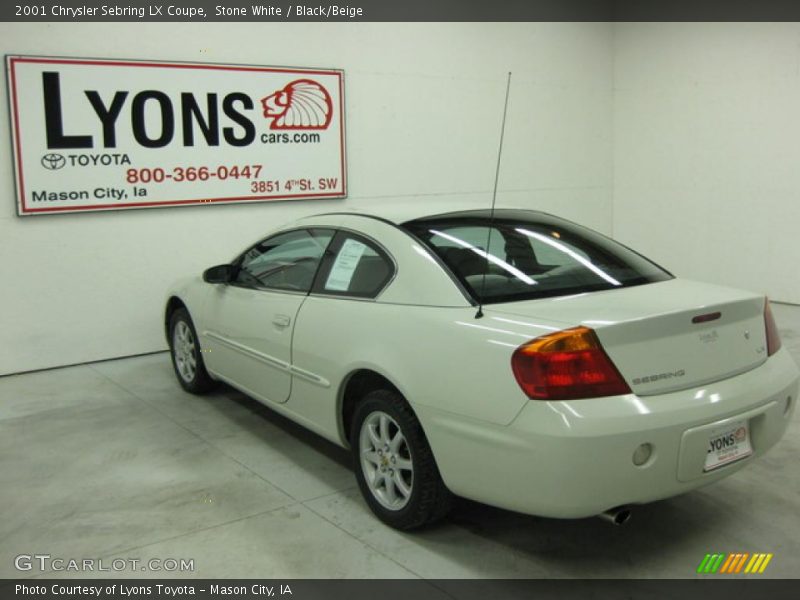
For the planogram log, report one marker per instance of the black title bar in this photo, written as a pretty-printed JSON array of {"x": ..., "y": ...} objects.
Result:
[{"x": 399, "y": 10}]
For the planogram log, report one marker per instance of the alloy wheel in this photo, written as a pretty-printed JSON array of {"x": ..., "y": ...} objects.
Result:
[
  {"x": 386, "y": 460},
  {"x": 184, "y": 350}
]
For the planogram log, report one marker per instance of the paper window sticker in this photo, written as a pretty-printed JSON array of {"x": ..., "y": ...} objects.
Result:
[{"x": 345, "y": 265}]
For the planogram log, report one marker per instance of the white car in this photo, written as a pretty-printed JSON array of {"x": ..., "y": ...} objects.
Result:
[{"x": 558, "y": 374}]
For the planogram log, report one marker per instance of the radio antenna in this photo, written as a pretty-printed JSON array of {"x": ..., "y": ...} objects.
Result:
[{"x": 479, "y": 314}]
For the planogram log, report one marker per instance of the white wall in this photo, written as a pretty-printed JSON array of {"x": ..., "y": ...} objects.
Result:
[
  {"x": 423, "y": 109},
  {"x": 707, "y": 150}
]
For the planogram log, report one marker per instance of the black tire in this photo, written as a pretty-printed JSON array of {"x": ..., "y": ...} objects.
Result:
[
  {"x": 194, "y": 380},
  {"x": 429, "y": 500}
]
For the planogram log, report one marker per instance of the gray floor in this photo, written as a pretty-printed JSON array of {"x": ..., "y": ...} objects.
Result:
[{"x": 113, "y": 460}]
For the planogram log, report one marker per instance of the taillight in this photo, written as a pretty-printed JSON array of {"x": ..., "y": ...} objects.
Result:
[
  {"x": 566, "y": 365},
  {"x": 773, "y": 338}
]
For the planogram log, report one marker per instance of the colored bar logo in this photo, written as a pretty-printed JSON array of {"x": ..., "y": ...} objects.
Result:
[{"x": 734, "y": 563}]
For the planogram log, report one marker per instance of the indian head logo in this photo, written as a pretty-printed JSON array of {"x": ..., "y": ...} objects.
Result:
[{"x": 302, "y": 104}]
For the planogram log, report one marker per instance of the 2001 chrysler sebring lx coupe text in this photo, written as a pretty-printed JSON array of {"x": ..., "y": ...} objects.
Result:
[{"x": 518, "y": 359}]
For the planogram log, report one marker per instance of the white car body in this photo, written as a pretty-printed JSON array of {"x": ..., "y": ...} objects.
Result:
[{"x": 492, "y": 443}]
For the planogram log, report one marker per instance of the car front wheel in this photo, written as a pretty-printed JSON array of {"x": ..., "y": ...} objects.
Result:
[
  {"x": 394, "y": 465},
  {"x": 186, "y": 357}
]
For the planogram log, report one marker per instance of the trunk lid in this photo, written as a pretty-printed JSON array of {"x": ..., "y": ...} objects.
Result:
[{"x": 665, "y": 336}]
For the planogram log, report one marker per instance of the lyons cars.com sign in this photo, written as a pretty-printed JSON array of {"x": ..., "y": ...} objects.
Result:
[{"x": 93, "y": 134}]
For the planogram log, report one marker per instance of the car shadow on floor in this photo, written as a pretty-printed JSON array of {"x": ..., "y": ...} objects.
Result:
[
  {"x": 335, "y": 453},
  {"x": 654, "y": 537}
]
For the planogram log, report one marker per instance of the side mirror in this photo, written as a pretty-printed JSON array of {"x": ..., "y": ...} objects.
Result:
[{"x": 218, "y": 274}]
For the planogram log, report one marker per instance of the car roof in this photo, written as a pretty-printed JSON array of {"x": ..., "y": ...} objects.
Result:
[{"x": 397, "y": 215}]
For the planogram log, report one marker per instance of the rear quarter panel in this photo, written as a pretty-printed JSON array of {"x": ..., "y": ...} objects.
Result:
[{"x": 441, "y": 357}]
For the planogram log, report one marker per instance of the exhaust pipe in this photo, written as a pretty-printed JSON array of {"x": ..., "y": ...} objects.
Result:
[{"x": 617, "y": 516}]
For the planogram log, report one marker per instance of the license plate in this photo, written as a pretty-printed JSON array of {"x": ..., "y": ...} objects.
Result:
[{"x": 728, "y": 444}]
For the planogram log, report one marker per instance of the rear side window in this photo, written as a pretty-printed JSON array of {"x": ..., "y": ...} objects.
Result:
[
  {"x": 354, "y": 266},
  {"x": 530, "y": 255}
]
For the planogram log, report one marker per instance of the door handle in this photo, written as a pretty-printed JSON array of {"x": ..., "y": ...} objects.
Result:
[{"x": 281, "y": 320}]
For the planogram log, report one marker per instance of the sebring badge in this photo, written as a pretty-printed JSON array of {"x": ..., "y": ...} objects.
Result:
[{"x": 658, "y": 377}]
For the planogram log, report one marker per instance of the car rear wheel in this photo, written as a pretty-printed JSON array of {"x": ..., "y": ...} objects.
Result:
[
  {"x": 186, "y": 356},
  {"x": 394, "y": 465}
]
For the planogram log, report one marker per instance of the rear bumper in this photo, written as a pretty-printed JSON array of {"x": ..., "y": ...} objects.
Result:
[{"x": 574, "y": 459}]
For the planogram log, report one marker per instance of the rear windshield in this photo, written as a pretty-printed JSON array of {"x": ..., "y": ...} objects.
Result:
[{"x": 530, "y": 255}]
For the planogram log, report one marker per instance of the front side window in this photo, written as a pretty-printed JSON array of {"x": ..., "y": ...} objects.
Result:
[
  {"x": 530, "y": 255},
  {"x": 354, "y": 266},
  {"x": 287, "y": 261}
]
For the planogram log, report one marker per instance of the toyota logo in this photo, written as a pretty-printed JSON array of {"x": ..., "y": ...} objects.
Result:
[{"x": 53, "y": 161}]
